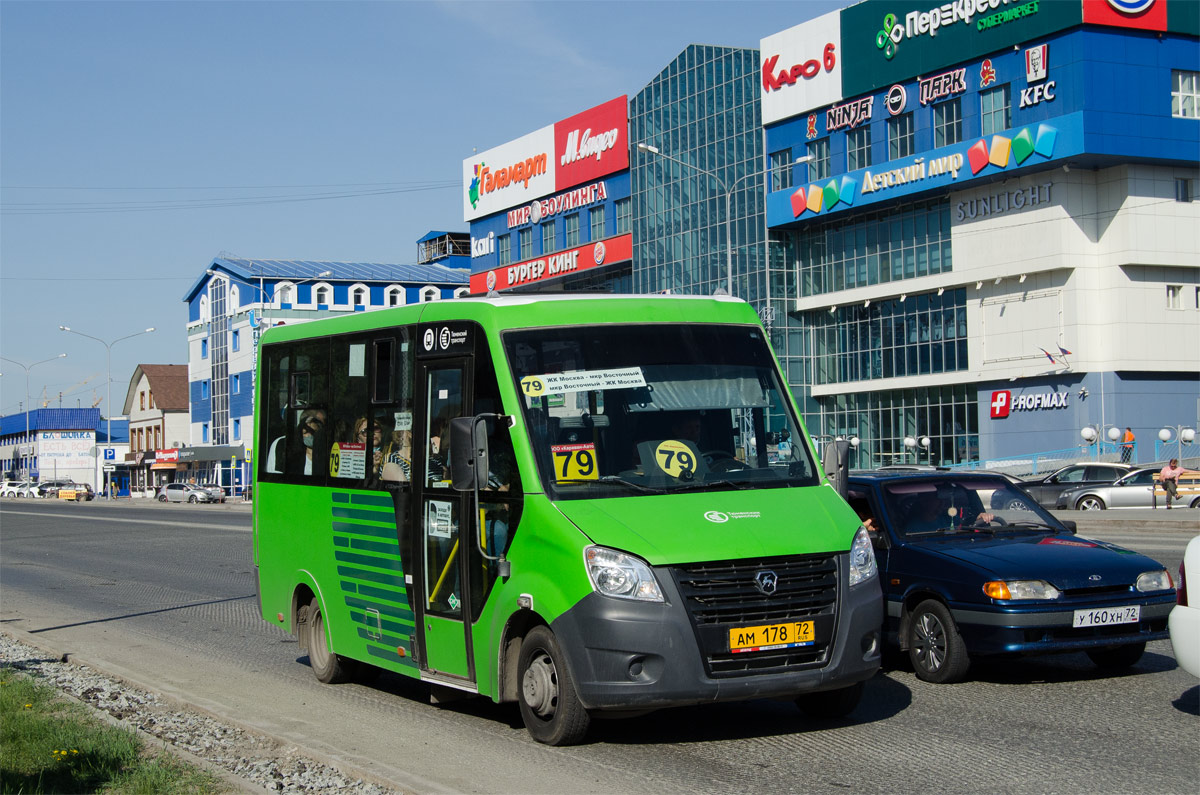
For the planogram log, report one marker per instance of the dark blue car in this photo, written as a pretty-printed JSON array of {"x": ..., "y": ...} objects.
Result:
[{"x": 971, "y": 565}]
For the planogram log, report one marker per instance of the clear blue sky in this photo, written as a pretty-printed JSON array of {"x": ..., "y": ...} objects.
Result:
[{"x": 139, "y": 140}]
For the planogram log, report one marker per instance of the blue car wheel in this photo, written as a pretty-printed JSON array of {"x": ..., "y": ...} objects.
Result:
[{"x": 935, "y": 647}]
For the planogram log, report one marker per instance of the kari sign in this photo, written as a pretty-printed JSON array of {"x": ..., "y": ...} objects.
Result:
[
  {"x": 801, "y": 68},
  {"x": 552, "y": 266},
  {"x": 583, "y": 147}
]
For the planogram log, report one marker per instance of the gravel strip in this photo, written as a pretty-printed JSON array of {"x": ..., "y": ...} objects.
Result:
[{"x": 260, "y": 760}]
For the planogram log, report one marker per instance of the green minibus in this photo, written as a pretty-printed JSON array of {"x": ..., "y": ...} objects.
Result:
[{"x": 585, "y": 504}]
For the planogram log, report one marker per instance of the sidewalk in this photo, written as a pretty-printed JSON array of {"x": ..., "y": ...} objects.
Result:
[{"x": 1176, "y": 520}]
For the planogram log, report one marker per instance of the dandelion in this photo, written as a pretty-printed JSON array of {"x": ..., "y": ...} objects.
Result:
[{"x": 29, "y": 706}]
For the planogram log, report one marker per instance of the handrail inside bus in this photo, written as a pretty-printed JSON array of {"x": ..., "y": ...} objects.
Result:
[{"x": 437, "y": 587}]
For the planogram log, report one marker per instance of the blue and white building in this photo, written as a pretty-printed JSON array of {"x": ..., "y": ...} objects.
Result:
[{"x": 236, "y": 298}]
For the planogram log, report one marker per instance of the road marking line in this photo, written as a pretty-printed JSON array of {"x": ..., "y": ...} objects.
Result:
[{"x": 126, "y": 521}]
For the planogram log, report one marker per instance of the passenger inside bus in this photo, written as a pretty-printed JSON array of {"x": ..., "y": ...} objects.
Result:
[
  {"x": 296, "y": 453},
  {"x": 395, "y": 459}
]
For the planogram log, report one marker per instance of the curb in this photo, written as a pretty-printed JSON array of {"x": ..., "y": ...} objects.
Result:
[{"x": 241, "y": 784}]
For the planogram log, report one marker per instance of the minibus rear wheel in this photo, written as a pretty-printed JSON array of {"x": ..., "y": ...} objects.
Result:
[
  {"x": 550, "y": 707},
  {"x": 328, "y": 667}
]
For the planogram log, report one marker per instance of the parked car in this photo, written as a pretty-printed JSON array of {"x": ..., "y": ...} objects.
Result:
[
  {"x": 79, "y": 492},
  {"x": 183, "y": 492},
  {"x": 215, "y": 491},
  {"x": 1135, "y": 490},
  {"x": 1184, "y": 622},
  {"x": 1046, "y": 490},
  {"x": 964, "y": 578},
  {"x": 28, "y": 489},
  {"x": 49, "y": 488},
  {"x": 10, "y": 488}
]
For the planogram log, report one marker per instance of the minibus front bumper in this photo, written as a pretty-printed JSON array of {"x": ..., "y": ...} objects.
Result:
[{"x": 627, "y": 655}]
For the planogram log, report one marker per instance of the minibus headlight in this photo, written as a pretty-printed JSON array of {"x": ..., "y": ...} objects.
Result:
[
  {"x": 616, "y": 574},
  {"x": 862, "y": 558},
  {"x": 1154, "y": 581}
]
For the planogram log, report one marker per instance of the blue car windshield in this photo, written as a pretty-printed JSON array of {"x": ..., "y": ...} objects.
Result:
[{"x": 952, "y": 505}]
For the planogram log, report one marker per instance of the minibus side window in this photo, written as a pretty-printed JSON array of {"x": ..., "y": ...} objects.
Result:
[{"x": 298, "y": 448}]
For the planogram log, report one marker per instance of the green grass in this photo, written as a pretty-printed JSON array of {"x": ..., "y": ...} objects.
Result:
[{"x": 49, "y": 744}]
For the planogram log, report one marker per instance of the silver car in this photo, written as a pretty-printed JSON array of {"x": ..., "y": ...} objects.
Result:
[
  {"x": 1135, "y": 490},
  {"x": 183, "y": 492}
]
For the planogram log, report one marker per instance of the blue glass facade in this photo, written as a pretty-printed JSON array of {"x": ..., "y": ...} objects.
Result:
[{"x": 703, "y": 110}]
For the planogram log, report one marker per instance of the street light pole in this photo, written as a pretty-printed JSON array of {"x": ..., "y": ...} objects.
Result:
[
  {"x": 108, "y": 368},
  {"x": 654, "y": 150},
  {"x": 27, "y": 369}
]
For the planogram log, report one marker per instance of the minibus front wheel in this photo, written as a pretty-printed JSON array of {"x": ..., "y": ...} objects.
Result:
[{"x": 550, "y": 706}]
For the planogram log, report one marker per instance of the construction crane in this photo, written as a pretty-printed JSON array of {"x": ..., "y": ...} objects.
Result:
[{"x": 45, "y": 400}]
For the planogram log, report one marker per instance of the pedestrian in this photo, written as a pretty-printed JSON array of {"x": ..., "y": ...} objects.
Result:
[
  {"x": 1127, "y": 445},
  {"x": 1168, "y": 478}
]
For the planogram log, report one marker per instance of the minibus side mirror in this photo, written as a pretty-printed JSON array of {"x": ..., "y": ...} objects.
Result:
[
  {"x": 836, "y": 463},
  {"x": 468, "y": 454}
]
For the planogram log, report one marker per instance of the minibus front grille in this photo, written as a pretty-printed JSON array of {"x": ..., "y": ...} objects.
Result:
[{"x": 720, "y": 596}]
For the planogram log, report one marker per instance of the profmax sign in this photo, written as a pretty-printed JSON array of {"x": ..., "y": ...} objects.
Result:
[{"x": 1003, "y": 403}]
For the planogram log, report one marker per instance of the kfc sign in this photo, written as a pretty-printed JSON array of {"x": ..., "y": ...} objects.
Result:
[
  {"x": 801, "y": 68},
  {"x": 574, "y": 151},
  {"x": 552, "y": 266}
]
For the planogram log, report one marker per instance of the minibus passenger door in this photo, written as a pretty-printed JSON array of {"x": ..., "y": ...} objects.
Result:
[{"x": 443, "y": 535}]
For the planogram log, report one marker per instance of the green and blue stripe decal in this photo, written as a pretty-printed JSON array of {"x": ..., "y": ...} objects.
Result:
[{"x": 371, "y": 575}]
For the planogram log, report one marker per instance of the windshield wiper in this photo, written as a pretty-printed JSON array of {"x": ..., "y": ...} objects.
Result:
[
  {"x": 1033, "y": 525},
  {"x": 620, "y": 481},
  {"x": 703, "y": 484}
]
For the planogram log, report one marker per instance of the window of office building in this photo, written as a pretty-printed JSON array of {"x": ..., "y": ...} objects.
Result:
[
  {"x": 702, "y": 110},
  {"x": 819, "y": 167},
  {"x": 947, "y": 122},
  {"x": 995, "y": 110},
  {"x": 204, "y": 433},
  {"x": 504, "y": 249},
  {"x": 525, "y": 242},
  {"x": 881, "y": 420},
  {"x": 237, "y": 430},
  {"x": 359, "y": 297},
  {"x": 235, "y": 339},
  {"x": 596, "y": 221},
  {"x": 235, "y": 384},
  {"x": 624, "y": 211},
  {"x": 1185, "y": 94},
  {"x": 924, "y": 334},
  {"x": 203, "y": 349},
  {"x": 900, "y": 136},
  {"x": 571, "y": 230},
  {"x": 1183, "y": 189},
  {"x": 395, "y": 296},
  {"x": 858, "y": 148},
  {"x": 1174, "y": 294},
  {"x": 549, "y": 244},
  {"x": 877, "y": 247},
  {"x": 781, "y": 169}
]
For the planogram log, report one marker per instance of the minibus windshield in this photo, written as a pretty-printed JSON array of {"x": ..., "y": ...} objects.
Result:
[{"x": 623, "y": 410}]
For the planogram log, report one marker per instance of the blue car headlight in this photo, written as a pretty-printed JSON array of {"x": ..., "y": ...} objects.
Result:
[
  {"x": 1154, "y": 581},
  {"x": 1020, "y": 589}
]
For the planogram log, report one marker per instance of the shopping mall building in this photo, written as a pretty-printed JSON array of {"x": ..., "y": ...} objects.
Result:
[{"x": 969, "y": 227}]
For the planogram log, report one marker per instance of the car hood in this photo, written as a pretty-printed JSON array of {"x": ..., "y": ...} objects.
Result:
[
  {"x": 1064, "y": 560},
  {"x": 725, "y": 525}
]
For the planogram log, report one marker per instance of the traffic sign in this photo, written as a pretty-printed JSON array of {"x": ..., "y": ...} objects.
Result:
[{"x": 110, "y": 467}]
